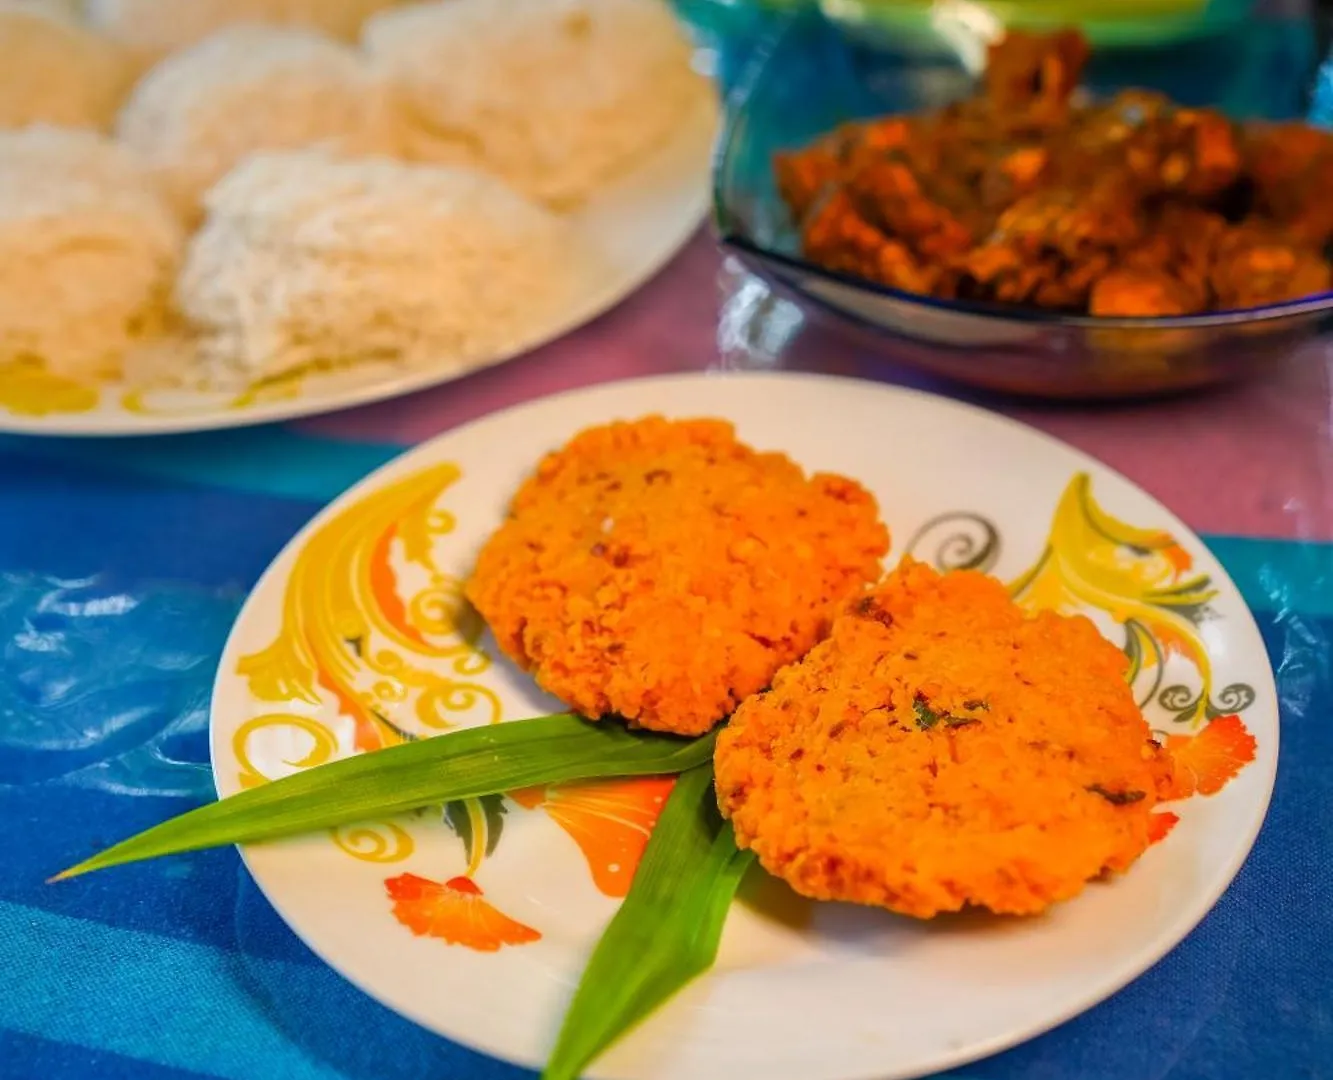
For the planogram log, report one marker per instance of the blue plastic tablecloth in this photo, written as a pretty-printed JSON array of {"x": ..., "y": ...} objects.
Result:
[
  {"x": 120, "y": 571},
  {"x": 122, "y": 566}
]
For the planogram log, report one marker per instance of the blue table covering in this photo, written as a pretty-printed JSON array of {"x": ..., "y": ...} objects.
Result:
[
  {"x": 122, "y": 565},
  {"x": 120, "y": 571}
]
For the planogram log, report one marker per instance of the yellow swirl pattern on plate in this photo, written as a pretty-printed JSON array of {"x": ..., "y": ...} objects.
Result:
[
  {"x": 323, "y": 749},
  {"x": 1141, "y": 578},
  {"x": 346, "y": 630},
  {"x": 27, "y": 388},
  {"x": 376, "y": 842},
  {"x": 396, "y": 669}
]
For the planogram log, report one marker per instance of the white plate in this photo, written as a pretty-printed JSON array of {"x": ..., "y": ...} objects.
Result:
[
  {"x": 634, "y": 227},
  {"x": 801, "y": 991}
]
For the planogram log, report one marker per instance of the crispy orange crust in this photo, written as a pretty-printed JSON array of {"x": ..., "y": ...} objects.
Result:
[
  {"x": 662, "y": 571},
  {"x": 943, "y": 749}
]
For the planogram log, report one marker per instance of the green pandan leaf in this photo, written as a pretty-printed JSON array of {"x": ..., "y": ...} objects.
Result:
[
  {"x": 465, "y": 764},
  {"x": 666, "y": 931}
]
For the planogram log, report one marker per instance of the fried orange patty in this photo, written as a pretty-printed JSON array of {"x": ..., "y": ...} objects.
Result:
[
  {"x": 942, "y": 749},
  {"x": 662, "y": 571}
]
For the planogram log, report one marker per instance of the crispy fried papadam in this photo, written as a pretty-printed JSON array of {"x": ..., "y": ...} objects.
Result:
[
  {"x": 944, "y": 749},
  {"x": 663, "y": 571}
]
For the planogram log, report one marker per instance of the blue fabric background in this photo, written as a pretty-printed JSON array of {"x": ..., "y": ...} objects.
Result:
[
  {"x": 120, "y": 571},
  {"x": 121, "y": 567}
]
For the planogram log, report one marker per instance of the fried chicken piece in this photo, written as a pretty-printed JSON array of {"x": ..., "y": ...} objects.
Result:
[
  {"x": 1002, "y": 272},
  {"x": 1189, "y": 237},
  {"x": 803, "y": 175},
  {"x": 1153, "y": 146},
  {"x": 1190, "y": 152},
  {"x": 875, "y": 139},
  {"x": 837, "y": 236},
  {"x": 1010, "y": 274},
  {"x": 1141, "y": 292},
  {"x": 663, "y": 571},
  {"x": 1207, "y": 160},
  {"x": 942, "y": 749},
  {"x": 1257, "y": 266},
  {"x": 1068, "y": 285},
  {"x": 1011, "y": 174},
  {"x": 1129, "y": 110},
  {"x": 1023, "y": 195},
  {"x": 991, "y": 271},
  {"x": 1033, "y": 75},
  {"x": 1168, "y": 273},
  {"x": 1291, "y": 167},
  {"x": 1096, "y": 137},
  {"x": 1071, "y": 222},
  {"x": 1277, "y": 154},
  {"x": 954, "y": 147},
  {"x": 889, "y": 195}
]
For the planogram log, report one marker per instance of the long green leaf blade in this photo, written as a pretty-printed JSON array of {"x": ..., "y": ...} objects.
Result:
[
  {"x": 666, "y": 931},
  {"x": 461, "y": 765}
]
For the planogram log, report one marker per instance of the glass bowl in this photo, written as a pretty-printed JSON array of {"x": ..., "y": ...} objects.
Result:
[{"x": 808, "y": 75}]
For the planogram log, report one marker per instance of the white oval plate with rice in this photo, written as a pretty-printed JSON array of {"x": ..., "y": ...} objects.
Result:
[
  {"x": 632, "y": 228},
  {"x": 524, "y": 886}
]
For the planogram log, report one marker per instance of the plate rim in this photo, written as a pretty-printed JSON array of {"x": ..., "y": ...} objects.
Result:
[
  {"x": 1142, "y": 959},
  {"x": 119, "y": 424}
]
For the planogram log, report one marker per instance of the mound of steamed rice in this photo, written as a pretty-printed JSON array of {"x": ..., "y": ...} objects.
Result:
[
  {"x": 308, "y": 259},
  {"x": 62, "y": 9},
  {"x": 555, "y": 96},
  {"x": 248, "y": 89},
  {"x": 150, "y": 29},
  {"x": 88, "y": 250},
  {"x": 54, "y": 71}
]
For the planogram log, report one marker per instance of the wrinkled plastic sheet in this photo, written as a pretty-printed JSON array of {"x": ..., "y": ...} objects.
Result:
[
  {"x": 111, "y": 625},
  {"x": 119, "y": 581}
]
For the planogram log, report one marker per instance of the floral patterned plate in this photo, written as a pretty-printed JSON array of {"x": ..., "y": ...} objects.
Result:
[
  {"x": 634, "y": 227},
  {"x": 475, "y": 919}
]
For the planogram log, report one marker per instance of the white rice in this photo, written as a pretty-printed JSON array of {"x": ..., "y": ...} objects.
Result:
[
  {"x": 306, "y": 259},
  {"x": 88, "y": 251},
  {"x": 150, "y": 29},
  {"x": 249, "y": 89},
  {"x": 555, "y": 96},
  {"x": 54, "y": 71}
]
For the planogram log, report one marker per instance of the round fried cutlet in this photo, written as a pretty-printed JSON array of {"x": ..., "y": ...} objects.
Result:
[
  {"x": 943, "y": 749},
  {"x": 662, "y": 571}
]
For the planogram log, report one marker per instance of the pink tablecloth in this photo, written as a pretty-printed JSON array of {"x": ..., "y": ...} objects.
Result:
[{"x": 1247, "y": 461}]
